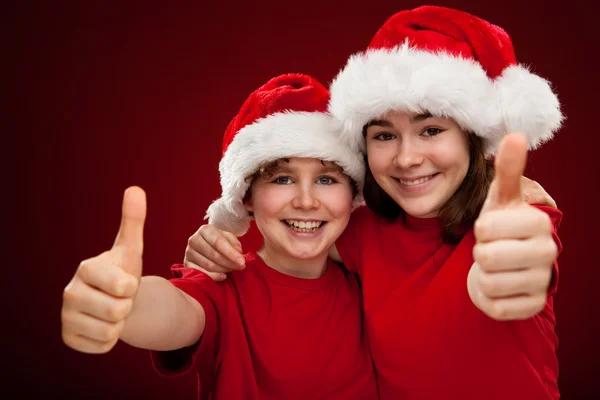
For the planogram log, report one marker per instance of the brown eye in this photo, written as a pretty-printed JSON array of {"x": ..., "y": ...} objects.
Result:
[
  {"x": 432, "y": 131},
  {"x": 384, "y": 136}
]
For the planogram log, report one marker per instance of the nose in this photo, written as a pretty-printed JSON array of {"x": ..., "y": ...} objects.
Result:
[
  {"x": 408, "y": 155},
  {"x": 306, "y": 197}
]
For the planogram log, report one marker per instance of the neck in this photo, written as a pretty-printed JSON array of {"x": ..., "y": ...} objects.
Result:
[{"x": 310, "y": 268}]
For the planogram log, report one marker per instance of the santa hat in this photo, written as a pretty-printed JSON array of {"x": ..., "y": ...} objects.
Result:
[
  {"x": 451, "y": 64},
  {"x": 286, "y": 117}
]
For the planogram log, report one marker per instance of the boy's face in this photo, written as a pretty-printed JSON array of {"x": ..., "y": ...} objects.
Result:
[{"x": 301, "y": 206}]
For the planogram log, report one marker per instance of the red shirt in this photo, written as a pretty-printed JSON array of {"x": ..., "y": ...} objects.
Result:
[
  {"x": 274, "y": 336},
  {"x": 428, "y": 340}
]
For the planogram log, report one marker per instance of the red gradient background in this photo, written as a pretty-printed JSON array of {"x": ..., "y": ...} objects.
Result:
[{"x": 111, "y": 94}]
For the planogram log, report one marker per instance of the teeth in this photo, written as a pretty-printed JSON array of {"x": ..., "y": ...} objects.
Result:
[
  {"x": 418, "y": 181},
  {"x": 304, "y": 226}
]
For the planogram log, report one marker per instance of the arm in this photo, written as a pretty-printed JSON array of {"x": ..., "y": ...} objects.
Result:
[
  {"x": 163, "y": 317},
  {"x": 107, "y": 299}
]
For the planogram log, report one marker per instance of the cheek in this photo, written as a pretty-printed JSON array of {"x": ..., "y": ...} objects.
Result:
[
  {"x": 380, "y": 158},
  {"x": 338, "y": 201},
  {"x": 268, "y": 202},
  {"x": 453, "y": 157}
]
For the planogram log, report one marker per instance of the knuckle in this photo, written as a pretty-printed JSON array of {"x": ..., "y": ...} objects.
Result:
[
  {"x": 194, "y": 266},
  {"x": 484, "y": 256},
  {"x": 487, "y": 284},
  {"x": 191, "y": 241},
  {"x": 202, "y": 228},
  {"x": 69, "y": 339},
  {"x": 84, "y": 267},
  {"x": 542, "y": 221},
  {"x": 106, "y": 347},
  {"x": 69, "y": 296},
  {"x": 539, "y": 304},
  {"x": 230, "y": 236},
  {"x": 119, "y": 311},
  {"x": 108, "y": 332},
  {"x": 535, "y": 306},
  {"x": 207, "y": 265},
  {"x": 219, "y": 241},
  {"x": 203, "y": 263},
  {"x": 498, "y": 311},
  {"x": 546, "y": 252},
  {"x": 551, "y": 250},
  {"x": 66, "y": 319},
  {"x": 212, "y": 255},
  {"x": 205, "y": 230},
  {"x": 481, "y": 228}
]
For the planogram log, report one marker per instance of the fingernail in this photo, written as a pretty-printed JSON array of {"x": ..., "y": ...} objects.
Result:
[{"x": 241, "y": 262}]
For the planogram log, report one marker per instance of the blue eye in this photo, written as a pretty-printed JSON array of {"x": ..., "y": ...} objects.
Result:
[
  {"x": 385, "y": 137},
  {"x": 432, "y": 132},
  {"x": 283, "y": 180},
  {"x": 325, "y": 180}
]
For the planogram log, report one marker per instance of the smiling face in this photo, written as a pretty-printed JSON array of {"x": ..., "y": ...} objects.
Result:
[
  {"x": 419, "y": 160},
  {"x": 301, "y": 206}
]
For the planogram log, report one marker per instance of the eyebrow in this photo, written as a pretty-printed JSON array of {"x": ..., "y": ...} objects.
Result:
[
  {"x": 378, "y": 122},
  {"x": 324, "y": 170},
  {"x": 330, "y": 169},
  {"x": 387, "y": 124},
  {"x": 420, "y": 117}
]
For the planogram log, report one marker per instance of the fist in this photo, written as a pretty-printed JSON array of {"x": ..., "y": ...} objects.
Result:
[
  {"x": 514, "y": 250},
  {"x": 101, "y": 294}
]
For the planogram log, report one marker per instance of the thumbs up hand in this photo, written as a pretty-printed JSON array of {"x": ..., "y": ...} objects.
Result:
[
  {"x": 514, "y": 250},
  {"x": 99, "y": 297}
]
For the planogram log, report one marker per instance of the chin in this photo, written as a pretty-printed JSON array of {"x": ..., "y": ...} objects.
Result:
[
  {"x": 420, "y": 210},
  {"x": 305, "y": 253}
]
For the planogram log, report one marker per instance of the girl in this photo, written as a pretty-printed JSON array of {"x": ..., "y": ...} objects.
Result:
[
  {"x": 458, "y": 277},
  {"x": 289, "y": 326}
]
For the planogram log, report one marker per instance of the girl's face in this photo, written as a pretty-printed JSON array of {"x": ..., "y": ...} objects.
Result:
[
  {"x": 301, "y": 206},
  {"x": 417, "y": 159}
]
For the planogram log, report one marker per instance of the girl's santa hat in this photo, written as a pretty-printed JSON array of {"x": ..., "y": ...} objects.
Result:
[
  {"x": 451, "y": 64},
  {"x": 286, "y": 117}
]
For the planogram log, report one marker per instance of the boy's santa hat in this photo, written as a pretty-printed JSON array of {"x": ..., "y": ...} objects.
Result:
[
  {"x": 286, "y": 117},
  {"x": 451, "y": 64}
]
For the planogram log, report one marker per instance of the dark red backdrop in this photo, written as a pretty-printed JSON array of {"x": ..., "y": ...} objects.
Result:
[{"x": 114, "y": 95}]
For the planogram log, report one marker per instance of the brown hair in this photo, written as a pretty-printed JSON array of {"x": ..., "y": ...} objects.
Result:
[
  {"x": 271, "y": 168},
  {"x": 460, "y": 211}
]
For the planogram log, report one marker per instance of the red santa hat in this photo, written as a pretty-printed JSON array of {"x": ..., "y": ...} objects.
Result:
[
  {"x": 286, "y": 117},
  {"x": 451, "y": 64}
]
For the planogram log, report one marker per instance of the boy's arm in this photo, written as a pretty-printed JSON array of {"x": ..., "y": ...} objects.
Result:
[
  {"x": 163, "y": 317},
  {"x": 107, "y": 299}
]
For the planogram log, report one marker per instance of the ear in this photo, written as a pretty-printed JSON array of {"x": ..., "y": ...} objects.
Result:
[{"x": 248, "y": 206}]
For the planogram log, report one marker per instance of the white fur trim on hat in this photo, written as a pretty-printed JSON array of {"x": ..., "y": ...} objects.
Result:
[
  {"x": 405, "y": 78},
  {"x": 528, "y": 105},
  {"x": 280, "y": 135}
]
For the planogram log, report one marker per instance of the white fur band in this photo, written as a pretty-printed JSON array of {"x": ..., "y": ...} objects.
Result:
[{"x": 405, "y": 78}]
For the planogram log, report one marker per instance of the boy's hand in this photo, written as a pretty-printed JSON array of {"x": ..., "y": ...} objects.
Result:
[{"x": 98, "y": 299}]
